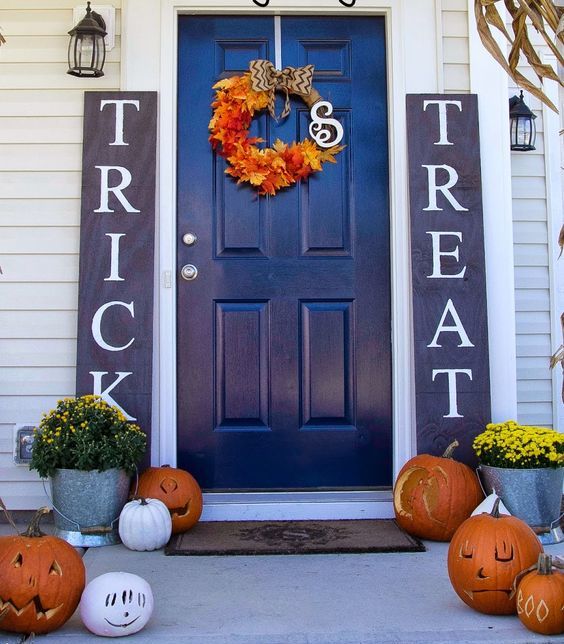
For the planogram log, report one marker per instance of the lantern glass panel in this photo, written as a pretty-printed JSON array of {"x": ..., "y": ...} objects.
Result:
[
  {"x": 86, "y": 55},
  {"x": 523, "y": 133}
]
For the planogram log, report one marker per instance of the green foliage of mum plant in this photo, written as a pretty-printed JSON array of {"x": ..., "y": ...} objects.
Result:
[
  {"x": 519, "y": 446},
  {"x": 86, "y": 433}
]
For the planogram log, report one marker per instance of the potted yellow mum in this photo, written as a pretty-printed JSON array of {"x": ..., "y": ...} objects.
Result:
[
  {"x": 525, "y": 466},
  {"x": 88, "y": 451}
]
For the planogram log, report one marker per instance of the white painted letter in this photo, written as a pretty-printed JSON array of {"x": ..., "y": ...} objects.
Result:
[
  {"x": 119, "y": 118},
  {"x": 438, "y": 253},
  {"x": 97, "y": 322},
  {"x": 443, "y": 127},
  {"x": 105, "y": 189},
  {"x": 452, "y": 397},
  {"x": 457, "y": 328},
  {"x": 114, "y": 258},
  {"x": 445, "y": 189},
  {"x": 97, "y": 389}
]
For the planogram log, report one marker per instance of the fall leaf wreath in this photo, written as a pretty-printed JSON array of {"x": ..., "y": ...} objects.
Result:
[{"x": 237, "y": 100}]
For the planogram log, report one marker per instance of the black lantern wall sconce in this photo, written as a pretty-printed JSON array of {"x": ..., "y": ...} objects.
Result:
[
  {"x": 87, "y": 48},
  {"x": 523, "y": 131}
]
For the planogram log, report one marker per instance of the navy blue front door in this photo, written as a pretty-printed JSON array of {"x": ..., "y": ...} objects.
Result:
[{"x": 284, "y": 345}]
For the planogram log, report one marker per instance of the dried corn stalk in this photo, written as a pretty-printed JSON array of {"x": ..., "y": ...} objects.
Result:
[
  {"x": 544, "y": 16},
  {"x": 558, "y": 356}
]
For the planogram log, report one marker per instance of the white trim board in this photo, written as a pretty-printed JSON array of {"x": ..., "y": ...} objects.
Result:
[
  {"x": 489, "y": 82},
  {"x": 555, "y": 210},
  {"x": 414, "y": 66}
]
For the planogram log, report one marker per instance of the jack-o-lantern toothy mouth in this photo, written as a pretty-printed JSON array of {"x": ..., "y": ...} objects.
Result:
[
  {"x": 122, "y": 625},
  {"x": 40, "y": 611},
  {"x": 471, "y": 593},
  {"x": 180, "y": 512}
]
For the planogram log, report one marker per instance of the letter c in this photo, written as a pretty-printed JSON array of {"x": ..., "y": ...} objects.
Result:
[{"x": 97, "y": 322}]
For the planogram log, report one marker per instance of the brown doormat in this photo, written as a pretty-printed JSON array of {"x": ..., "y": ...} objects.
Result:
[{"x": 292, "y": 538}]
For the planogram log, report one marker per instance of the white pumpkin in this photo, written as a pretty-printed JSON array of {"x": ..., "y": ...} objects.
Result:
[
  {"x": 487, "y": 505},
  {"x": 145, "y": 524},
  {"x": 116, "y": 604}
]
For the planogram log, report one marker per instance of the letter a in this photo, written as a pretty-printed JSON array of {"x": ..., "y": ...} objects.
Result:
[{"x": 457, "y": 328}]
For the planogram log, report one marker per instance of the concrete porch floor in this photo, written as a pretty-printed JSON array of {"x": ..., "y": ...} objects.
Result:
[{"x": 306, "y": 599}]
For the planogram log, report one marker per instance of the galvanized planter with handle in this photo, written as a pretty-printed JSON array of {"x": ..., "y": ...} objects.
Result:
[
  {"x": 87, "y": 505},
  {"x": 533, "y": 495}
]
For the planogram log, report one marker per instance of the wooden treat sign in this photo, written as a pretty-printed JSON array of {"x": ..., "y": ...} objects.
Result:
[
  {"x": 115, "y": 308},
  {"x": 448, "y": 270}
]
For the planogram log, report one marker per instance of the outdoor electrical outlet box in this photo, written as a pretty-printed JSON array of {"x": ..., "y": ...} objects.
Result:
[{"x": 23, "y": 443}]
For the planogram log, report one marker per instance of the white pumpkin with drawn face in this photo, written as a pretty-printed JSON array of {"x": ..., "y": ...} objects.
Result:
[{"x": 116, "y": 604}]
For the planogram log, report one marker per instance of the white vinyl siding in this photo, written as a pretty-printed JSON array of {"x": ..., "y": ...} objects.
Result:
[
  {"x": 456, "y": 69},
  {"x": 41, "y": 109},
  {"x": 535, "y": 238}
]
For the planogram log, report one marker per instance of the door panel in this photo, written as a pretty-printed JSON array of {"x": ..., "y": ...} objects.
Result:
[{"x": 284, "y": 337}]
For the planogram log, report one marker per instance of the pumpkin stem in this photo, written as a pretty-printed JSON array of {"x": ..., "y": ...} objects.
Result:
[
  {"x": 450, "y": 449},
  {"x": 33, "y": 529},
  {"x": 544, "y": 564},
  {"x": 495, "y": 510},
  {"x": 143, "y": 501}
]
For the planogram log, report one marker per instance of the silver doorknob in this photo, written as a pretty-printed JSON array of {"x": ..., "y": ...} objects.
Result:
[
  {"x": 189, "y": 272},
  {"x": 189, "y": 239}
]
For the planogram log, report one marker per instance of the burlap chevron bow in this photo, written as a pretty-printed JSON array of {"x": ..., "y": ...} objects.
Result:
[{"x": 291, "y": 80}]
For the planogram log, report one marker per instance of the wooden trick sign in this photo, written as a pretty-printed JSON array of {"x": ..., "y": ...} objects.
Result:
[
  {"x": 115, "y": 308},
  {"x": 452, "y": 382}
]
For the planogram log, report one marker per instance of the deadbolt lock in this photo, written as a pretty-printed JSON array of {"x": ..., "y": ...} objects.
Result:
[{"x": 189, "y": 239}]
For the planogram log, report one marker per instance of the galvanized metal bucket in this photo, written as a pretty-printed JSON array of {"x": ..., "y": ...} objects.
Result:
[
  {"x": 87, "y": 505},
  {"x": 533, "y": 495}
]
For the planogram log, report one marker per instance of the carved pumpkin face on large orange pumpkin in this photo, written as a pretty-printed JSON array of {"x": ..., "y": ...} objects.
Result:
[
  {"x": 178, "y": 490},
  {"x": 41, "y": 580},
  {"x": 485, "y": 555},
  {"x": 433, "y": 495}
]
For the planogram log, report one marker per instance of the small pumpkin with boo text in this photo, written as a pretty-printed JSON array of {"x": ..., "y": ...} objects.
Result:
[
  {"x": 433, "y": 495},
  {"x": 178, "y": 490},
  {"x": 540, "y": 597}
]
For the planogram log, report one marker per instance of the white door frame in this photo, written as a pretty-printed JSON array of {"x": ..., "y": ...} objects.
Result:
[{"x": 149, "y": 57}]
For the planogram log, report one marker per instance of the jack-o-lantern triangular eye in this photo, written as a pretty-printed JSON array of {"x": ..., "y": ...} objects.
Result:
[
  {"x": 17, "y": 561},
  {"x": 168, "y": 485},
  {"x": 56, "y": 569}
]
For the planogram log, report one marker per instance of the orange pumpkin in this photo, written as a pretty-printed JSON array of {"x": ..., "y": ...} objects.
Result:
[
  {"x": 41, "y": 580},
  {"x": 540, "y": 598},
  {"x": 485, "y": 555},
  {"x": 178, "y": 490},
  {"x": 433, "y": 495}
]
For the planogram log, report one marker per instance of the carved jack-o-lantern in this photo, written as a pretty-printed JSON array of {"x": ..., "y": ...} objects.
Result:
[
  {"x": 41, "y": 580},
  {"x": 433, "y": 495},
  {"x": 178, "y": 490},
  {"x": 540, "y": 597},
  {"x": 116, "y": 604},
  {"x": 485, "y": 555}
]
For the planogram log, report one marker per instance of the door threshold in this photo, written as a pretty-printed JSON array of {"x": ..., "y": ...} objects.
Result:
[{"x": 293, "y": 506}]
